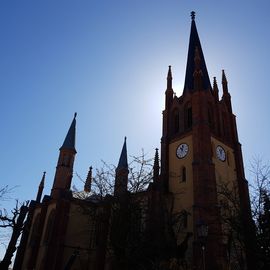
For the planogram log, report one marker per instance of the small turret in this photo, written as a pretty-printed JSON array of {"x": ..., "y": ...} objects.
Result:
[
  {"x": 156, "y": 167},
  {"x": 40, "y": 188},
  {"x": 224, "y": 83},
  {"x": 64, "y": 168},
  {"x": 88, "y": 182},
  {"x": 226, "y": 95},
  {"x": 169, "y": 91},
  {"x": 215, "y": 89},
  {"x": 121, "y": 173}
]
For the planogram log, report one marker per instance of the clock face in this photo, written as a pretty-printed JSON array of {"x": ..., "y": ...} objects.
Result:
[
  {"x": 221, "y": 155},
  {"x": 182, "y": 150}
]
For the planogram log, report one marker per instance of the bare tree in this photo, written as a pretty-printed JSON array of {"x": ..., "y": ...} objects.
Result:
[
  {"x": 13, "y": 220},
  {"x": 148, "y": 235},
  {"x": 260, "y": 200}
]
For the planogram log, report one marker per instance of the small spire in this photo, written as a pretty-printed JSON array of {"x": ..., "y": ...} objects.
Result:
[
  {"x": 123, "y": 164},
  {"x": 41, "y": 187},
  {"x": 192, "y": 15},
  {"x": 156, "y": 166},
  {"x": 224, "y": 79},
  {"x": 224, "y": 82},
  {"x": 88, "y": 182},
  {"x": 215, "y": 88},
  {"x": 169, "y": 79},
  {"x": 69, "y": 142},
  {"x": 169, "y": 73},
  {"x": 41, "y": 184}
]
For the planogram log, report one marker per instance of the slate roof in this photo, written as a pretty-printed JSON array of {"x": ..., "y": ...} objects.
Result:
[
  {"x": 194, "y": 41},
  {"x": 69, "y": 142},
  {"x": 123, "y": 163}
]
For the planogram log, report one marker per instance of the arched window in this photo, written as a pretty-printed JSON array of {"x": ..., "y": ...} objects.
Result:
[
  {"x": 188, "y": 116},
  {"x": 176, "y": 122},
  {"x": 49, "y": 227},
  {"x": 183, "y": 174},
  {"x": 35, "y": 232}
]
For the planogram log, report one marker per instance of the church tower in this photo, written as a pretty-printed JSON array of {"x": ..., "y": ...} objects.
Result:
[
  {"x": 200, "y": 152},
  {"x": 64, "y": 168}
]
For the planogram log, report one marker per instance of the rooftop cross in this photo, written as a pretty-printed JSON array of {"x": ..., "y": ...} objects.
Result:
[{"x": 192, "y": 14}]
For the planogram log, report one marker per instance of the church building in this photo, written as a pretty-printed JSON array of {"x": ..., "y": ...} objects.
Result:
[{"x": 194, "y": 214}]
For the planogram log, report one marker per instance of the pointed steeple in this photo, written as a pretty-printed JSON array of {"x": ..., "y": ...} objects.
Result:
[
  {"x": 88, "y": 182},
  {"x": 224, "y": 82},
  {"x": 69, "y": 142},
  {"x": 121, "y": 173},
  {"x": 169, "y": 90},
  {"x": 169, "y": 79},
  {"x": 40, "y": 188},
  {"x": 156, "y": 166},
  {"x": 215, "y": 89},
  {"x": 123, "y": 164},
  {"x": 64, "y": 168},
  {"x": 194, "y": 42},
  {"x": 226, "y": 95}
]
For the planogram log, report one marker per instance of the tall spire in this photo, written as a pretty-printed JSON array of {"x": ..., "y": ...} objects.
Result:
[
  {"x": 194, "y": 42},
  {"x": 69, "y": 142},
  {"x": 88, "y": 182},
  {"x": 64, "y": 168},
  {"x": 123, "y": 164},
  {"x": 41, "y": 187}
]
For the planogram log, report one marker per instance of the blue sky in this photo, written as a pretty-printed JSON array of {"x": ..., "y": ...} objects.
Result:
[{"x": 107, "y": 61}]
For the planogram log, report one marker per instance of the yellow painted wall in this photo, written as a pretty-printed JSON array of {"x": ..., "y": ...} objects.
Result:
[
  {"x": 226, "y": 178},
  {"x": 225, "y": 171},
  {"x": 183, "y": 191}
]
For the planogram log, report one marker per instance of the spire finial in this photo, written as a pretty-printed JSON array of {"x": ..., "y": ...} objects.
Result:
[
  {"x": 192, "y": 15},
  {"x": 75, "y": 114},
  {"x": 169, "y": 76}
]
